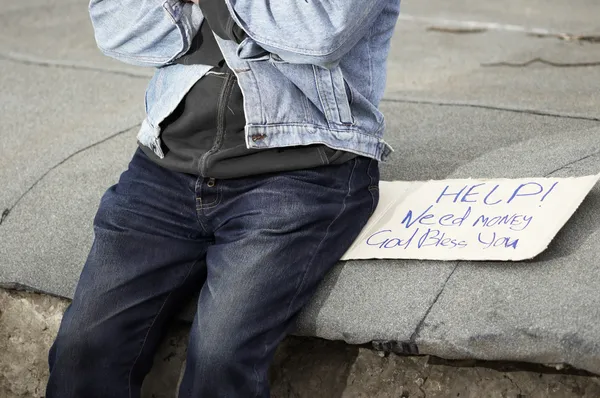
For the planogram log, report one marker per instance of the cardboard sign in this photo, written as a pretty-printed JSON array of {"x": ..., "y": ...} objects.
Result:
[{"x": 498, "y": 219}]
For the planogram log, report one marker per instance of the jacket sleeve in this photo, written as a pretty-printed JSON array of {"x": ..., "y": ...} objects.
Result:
[
  {"x": 144, "y": 32},
  {"x": 318, "y": 32}
]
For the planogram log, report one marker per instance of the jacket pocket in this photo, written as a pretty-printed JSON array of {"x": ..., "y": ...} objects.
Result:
[{"x": 333, "y": 94}]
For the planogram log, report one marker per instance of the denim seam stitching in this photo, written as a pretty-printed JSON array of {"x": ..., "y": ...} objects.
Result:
[
  {"x": 322, "y": 240},
  {"x": 135, "y": 57},
  {"x": 374, "y": 201},
  {"x": 199, "y": 206},
  {"x": 154, "y": 321},
  {"x": 339, "y": 104},
  {"x": 310, "y": 262},
  {"x": 215, "y": 202},
  {"x": 326, "y": 111},
  {"x": 349, "y": 129},
  {"x": 263, "y": 115}
]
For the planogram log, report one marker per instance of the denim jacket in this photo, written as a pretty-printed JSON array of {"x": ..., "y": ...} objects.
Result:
[{"x": 311, "y": 71}]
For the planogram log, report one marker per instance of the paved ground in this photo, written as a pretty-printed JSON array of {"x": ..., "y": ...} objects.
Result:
[
  {"x": 303, "y": 368},
  {"x": 475, "y": 89}
]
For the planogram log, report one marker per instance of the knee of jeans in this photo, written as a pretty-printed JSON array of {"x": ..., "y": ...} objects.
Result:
[
  {"x": 218, "y": 354},
  {"x": 218, "y": 346}
]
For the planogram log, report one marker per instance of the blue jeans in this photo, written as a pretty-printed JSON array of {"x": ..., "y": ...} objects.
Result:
[{"x": 255, "y": 248}]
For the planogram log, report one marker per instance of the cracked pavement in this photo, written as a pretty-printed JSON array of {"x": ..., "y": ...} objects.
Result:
[
  {"x": 7, "y": 211},
  {"x": 69, "y": 117}
]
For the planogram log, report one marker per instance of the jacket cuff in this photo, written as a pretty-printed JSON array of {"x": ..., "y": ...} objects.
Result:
[{"x": 220, "y": 21}]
